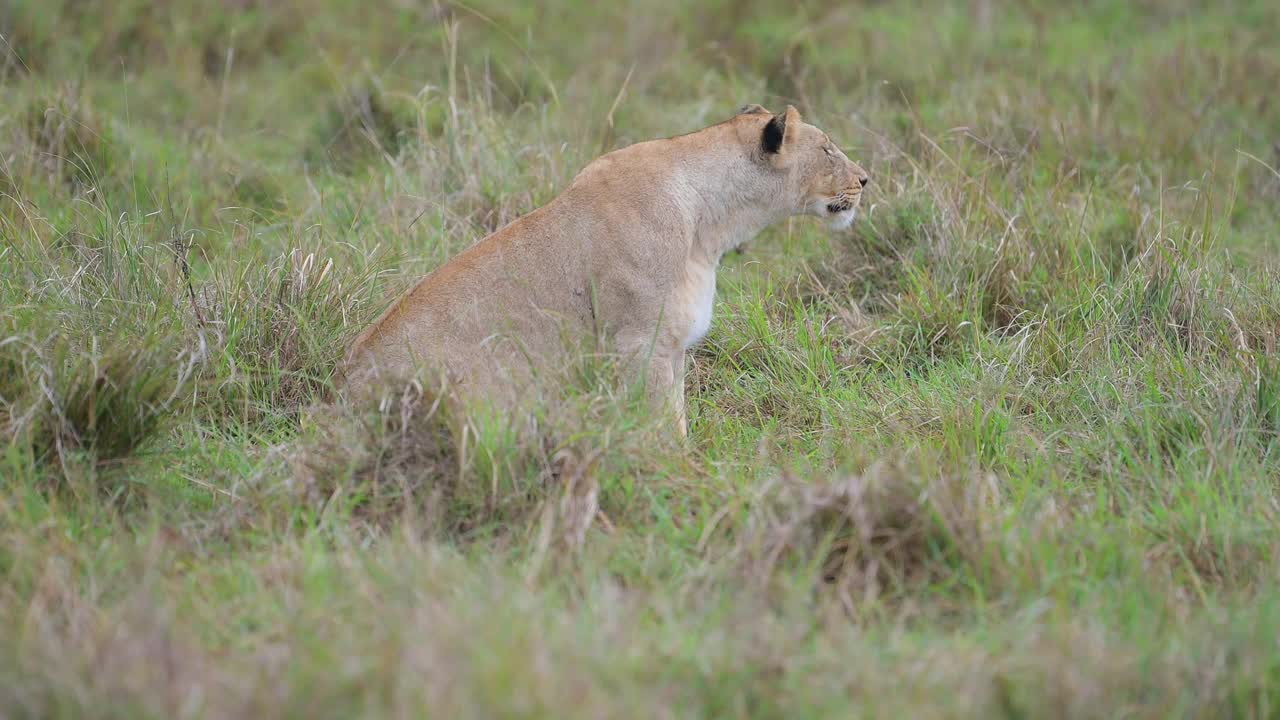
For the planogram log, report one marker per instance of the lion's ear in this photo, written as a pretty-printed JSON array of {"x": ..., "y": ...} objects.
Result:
[
  {"x": 752, "y": 109},
  {"x": 779, "y": 130}
]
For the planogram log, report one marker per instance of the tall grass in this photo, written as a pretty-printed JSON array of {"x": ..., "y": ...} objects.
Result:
[{"x": 1007, "y": 448}]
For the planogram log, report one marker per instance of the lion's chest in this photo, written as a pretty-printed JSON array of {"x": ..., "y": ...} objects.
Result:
[{"x": 699, "y": 300}]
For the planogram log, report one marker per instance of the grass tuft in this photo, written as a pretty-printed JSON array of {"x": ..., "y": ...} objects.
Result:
[
  {"x": 399, "y": 456},
  {"x": 107, "y": 400},
  {"x": 66, "y": 141},
  {"x": 364, "y": 123},
  {"x": 887, "y": 531}
]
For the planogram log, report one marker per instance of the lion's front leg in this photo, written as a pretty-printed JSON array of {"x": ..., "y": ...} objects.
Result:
[
  {"x": 665, "y": 388},
  {"x": 677, "y": 392},
  {"x": 659, "y": 363}
]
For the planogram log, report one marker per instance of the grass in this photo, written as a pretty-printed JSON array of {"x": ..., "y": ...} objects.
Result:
[{"x": 1008, "y": 448}]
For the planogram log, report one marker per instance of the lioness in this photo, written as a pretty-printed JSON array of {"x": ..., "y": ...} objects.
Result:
[{"x": 627, "y": 252}]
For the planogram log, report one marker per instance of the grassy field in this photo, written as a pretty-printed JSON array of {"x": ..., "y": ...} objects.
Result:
[{"x": 1008, "y": 448}]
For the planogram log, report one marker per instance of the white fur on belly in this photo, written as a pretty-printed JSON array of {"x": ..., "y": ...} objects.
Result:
[{"x": 700, "y": 298}]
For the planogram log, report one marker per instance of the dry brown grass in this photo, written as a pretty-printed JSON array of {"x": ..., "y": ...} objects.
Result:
[{"x": 886, "y": 531}]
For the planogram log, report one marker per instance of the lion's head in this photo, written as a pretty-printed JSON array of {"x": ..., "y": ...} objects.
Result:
[{"x": 820, "y": 180}]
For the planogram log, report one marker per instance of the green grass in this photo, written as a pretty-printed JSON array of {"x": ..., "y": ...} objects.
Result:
[{"x": 1008, "y": 448}]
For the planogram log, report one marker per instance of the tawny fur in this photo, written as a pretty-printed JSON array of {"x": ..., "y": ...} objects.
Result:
[{"x": 628, "y": 252}]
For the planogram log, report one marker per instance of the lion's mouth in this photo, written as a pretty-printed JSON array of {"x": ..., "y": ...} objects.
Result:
[{"x": 839, "y": 206}]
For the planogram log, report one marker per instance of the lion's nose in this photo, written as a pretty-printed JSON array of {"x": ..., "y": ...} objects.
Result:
[{"x": 864, "y": 180}]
